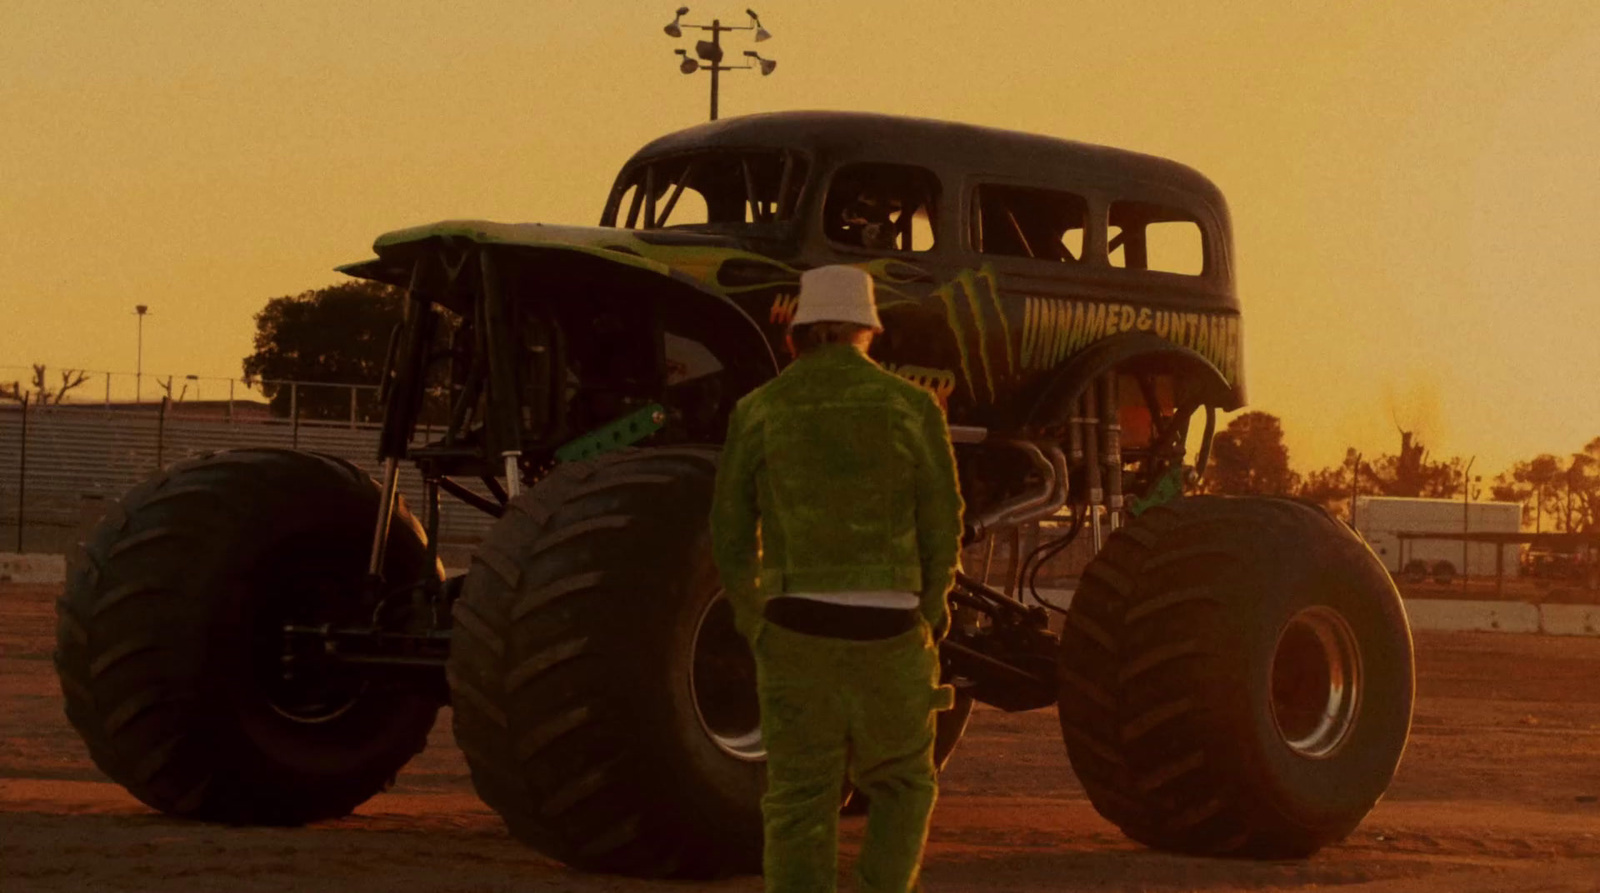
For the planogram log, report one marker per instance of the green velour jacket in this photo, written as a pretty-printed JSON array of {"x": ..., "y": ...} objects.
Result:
[{"x": 836, "y": 475}]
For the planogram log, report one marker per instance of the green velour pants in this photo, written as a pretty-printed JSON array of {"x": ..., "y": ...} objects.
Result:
[{"x": 832, "y": 706}]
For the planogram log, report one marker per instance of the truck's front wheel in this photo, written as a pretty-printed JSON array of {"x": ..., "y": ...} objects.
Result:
[{"x": 604, "y": 702}]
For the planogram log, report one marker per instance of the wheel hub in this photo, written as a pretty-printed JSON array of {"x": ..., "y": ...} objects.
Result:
[
  {"x": 1316, "y": 682},
  {"x": 722, "y": 684},
  {"x": 303, "y": 586}
]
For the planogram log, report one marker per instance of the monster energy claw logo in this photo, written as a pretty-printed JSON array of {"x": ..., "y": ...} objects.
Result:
[{"x": 975, "y": 295}]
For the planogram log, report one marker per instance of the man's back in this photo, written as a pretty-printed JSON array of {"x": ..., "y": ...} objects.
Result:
[{"x": 852, "y": 479}]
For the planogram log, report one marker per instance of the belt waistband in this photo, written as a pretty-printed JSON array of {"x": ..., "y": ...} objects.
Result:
[{"x": 854, "y": 622}]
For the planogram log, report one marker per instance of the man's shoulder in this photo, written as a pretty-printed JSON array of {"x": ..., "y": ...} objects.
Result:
[
  {"x": 759, "y": 396},
  {"x": 866, "y": 380},
  {"x": 911, "y": 398}
]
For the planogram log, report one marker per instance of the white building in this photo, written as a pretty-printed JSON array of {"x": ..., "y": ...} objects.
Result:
[{"x": 1380, "y": 518}]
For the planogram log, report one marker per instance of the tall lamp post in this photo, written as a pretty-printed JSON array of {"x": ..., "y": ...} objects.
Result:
[
  {"x": 708, "y": 53},
  {"x": 138, "y": 375}
]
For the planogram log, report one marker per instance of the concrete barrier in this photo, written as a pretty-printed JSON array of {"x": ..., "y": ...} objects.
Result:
[
  {"x": 32, "y": 568},
  {"x": 1570, "y": 620},
  {"x": 1451, "y": 615}
]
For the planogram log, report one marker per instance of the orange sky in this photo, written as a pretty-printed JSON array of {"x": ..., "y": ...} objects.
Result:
[{"x": 1415, "y": 185}]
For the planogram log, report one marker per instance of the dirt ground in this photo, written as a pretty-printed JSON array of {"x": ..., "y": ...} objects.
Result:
[{"x": 1498, "y": 792}]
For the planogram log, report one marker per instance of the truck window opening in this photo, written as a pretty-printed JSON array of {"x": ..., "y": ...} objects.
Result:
[
  {"x": 716, "y": 190},
  {"x": 1017, "y": 221},
  {"x": 882, "y": 207},
  {"x": 1144, "y": 236}
]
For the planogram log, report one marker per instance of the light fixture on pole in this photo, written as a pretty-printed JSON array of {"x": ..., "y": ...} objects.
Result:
[
  {"x": 138, "y": 375},
  {"x": 761, "y": 33},
  {"x": 766, "y": 65},
  {"x": 672, "y": 28},
  {"x": 708, "y": 53}
]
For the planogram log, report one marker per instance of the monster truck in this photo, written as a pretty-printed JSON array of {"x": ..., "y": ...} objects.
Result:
[{"x": 266, "y": 636}]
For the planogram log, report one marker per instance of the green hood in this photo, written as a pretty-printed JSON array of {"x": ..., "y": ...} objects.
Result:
[{"x": 700, "y": 258}]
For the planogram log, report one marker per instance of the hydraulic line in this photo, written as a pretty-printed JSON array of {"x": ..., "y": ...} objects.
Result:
[{"x": 1039, "y": 557}]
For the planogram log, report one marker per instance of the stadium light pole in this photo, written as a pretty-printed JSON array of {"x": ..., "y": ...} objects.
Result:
[
  {"x": 708, "y": 53},
  {"x": 138, "y": 374}
]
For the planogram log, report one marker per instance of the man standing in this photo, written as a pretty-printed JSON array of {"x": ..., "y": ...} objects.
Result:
[{"x": 836, "y": 526}]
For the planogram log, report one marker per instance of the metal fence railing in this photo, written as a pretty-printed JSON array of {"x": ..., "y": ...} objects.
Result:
[
  {"x": 192, "y": 394},
  {"x": 60, "y": 465}
]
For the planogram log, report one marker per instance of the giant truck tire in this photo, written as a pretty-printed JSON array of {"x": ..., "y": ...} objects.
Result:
[
  {"x": 170, "y": 651},
  {"x": 1236, "y": 678},
  {"x": 605, "y": 703}
]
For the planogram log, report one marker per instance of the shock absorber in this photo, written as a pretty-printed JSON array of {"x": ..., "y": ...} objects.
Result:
[
  {"x": 1091, "y": 462},
  {"x": 1075, "y": 435},
  {"x": 1111, "y": 445}
]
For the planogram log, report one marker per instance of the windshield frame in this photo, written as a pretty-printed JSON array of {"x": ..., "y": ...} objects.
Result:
[{"x": 651, "y": 205}]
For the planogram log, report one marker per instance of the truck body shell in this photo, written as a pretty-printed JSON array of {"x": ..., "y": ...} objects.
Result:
[{"x": 985, "y": 329}]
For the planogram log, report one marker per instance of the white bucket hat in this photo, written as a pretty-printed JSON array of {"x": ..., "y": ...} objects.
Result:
[{"x": 837, "y": 293}]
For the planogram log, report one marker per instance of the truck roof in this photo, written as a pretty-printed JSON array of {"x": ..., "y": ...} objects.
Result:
[{"x": 939, "y": 144}]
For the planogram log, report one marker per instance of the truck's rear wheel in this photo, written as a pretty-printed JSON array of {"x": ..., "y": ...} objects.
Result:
[
  {"x": 170, "y": 650},
  {"x": 1236, "y": 678}
]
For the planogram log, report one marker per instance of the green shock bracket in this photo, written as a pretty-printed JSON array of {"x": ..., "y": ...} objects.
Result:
[
  {"x": 1168, "y": 487},
  {"x": 626, "y": 431}
]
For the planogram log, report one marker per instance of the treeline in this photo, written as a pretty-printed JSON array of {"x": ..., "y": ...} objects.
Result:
[{"x": 1557, "y": 493}]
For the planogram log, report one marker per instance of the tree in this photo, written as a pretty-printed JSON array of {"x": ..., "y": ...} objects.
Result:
[
  {"x": 1250, "y": 458},
  {"x": 1534, "y": 484},
  {"x": 1588, "y": 471},
  {"x": 41, "y": 393},
  {"x": 338, "y": 335},
  {"x": 1556, "y": 495},
  {"x": 1332, "y": 487},
  {"x": 1582, "y": 480},
  {"x": 1579, "y": 482},
  {"x": 1412, "y": 473}
]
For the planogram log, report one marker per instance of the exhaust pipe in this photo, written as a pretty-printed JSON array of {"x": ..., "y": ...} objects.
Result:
[{"x": 1041, "y": 502}]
